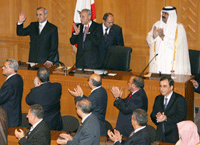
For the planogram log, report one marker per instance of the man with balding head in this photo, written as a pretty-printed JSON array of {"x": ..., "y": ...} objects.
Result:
[
  {"x": 98, "y": 98},
  {"x": 112, "y": 34},
  {"x": 88, "y": 132},
  {"x": 136, "y": 99}
]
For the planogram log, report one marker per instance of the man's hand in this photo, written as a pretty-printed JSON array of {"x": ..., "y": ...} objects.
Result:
[
  {"x": 116, "y": 136},
  {"x": 155, "y": 32},
  {"x": 77, "y": 91},
  {"x": 195, "y": 83},
  {"x": 160, "y": 33},
  {"x": 64, "y": 138},
  {"x": 22, "y": 17},
  {"x": 19, "y": 134},
  {"x": 76, "y": 29},
  {"x": 48, "y": 64},
  {"x": 37, "y": 82},
  {"x": 161, "y": 117},
  {"x": 116, "y": 92}
]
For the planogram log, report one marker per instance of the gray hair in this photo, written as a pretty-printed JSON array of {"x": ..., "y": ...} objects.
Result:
[
  {"x": 138, "y": 81},
  {"x": 87, "y": 10},
  {"x": 37, "y": 110},
  {"x": 85, "y": 105},
  {"x": 140, "y": 116},
  {"x": 45, "y": 10},
  {"x": 13, "y": 64}
]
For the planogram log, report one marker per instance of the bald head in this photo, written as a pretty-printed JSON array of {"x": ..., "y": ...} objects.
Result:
[{"x": 96, "y": 80}]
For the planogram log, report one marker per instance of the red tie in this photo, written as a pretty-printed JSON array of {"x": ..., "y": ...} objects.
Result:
[{"x": 129, "y": 95}]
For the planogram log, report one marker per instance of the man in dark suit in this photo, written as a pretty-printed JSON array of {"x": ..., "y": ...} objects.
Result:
[
  {"x": 87, "y": 36},
  {"x": 48, "y": 95},
  {"x": 140, "y": 136},
  {"x": 136, "y": 99},
  {"x": 11, "y": 93},
  {"x": 43, "y": 37},
  {"x": 39, "y": 133},
  {"x": 3, "y": 127},
  {"x": 98, "y": 98},
  {"x": 112, "y": 34},
  {"x": 195, "y": 83},
  {"x": 169, "y": 109},
  {"x": 89, "y": 132}
]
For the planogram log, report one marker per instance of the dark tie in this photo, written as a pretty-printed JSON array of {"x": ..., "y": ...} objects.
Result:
[
  {"x": 165, "y": 104},
  {"x": 84, "y": 36},
  {"x": 106, "y": 34}
]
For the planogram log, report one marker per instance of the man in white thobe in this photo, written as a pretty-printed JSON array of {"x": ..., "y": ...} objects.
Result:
[{"x": 168, "y": 39}]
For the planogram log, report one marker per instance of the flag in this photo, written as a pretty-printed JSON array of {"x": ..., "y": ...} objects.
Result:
[{"x": 80, "y": 5}]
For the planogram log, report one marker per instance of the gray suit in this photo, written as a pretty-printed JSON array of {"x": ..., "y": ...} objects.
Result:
[{"x": 88, "y": 133}]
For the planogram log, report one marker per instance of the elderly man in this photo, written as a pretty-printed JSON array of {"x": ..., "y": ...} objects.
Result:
[
  {"x": 168, "y": 39},
  {"x": 140, "y": 136},
  {"x": 48, "y": 95},
  {"x": 43, "y": 36},
  {"x": 11, "y": 93},
  {"x": 169, "y": 109},
  {"x": 136, "y": 99},
  {"x": 98, "y": 99},
  {"x": 88, "y": 132},
  {"x": 112, "y": 34},
  {"x": 87, "y": 36},
  {"x": 39, "y": 133}
]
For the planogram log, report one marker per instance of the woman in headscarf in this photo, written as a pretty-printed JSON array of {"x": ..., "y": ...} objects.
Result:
[{"x": 188, "y": 133}]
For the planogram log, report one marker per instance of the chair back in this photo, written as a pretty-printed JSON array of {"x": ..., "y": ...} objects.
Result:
[
  {"x": 70, "y": 124},
  {"x": 117, "y": 58},
  {"x": 152, "y": 132},
  {"x": 25, "y": 122},
  {"x": 194, "y": 61}
]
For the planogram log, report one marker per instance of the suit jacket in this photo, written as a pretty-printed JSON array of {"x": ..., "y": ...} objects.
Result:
[
  {"x": 3, "y": 127},
  {"x": 126, "y": 107},
  {"x": 98, "y": 99},
  {"x": 141, "y": 137},
  {"x": 88, "y": 133},
  {"x": 175, "y": 111},
  {"x": 40, "y": 135},
  {"x": 48, "y": 96},
  {"x": 10, "y": 99},
  {"x": 87, "y": 55},
  {"x": 43, "y": 46},
  {"x": 115, "y": 37}
]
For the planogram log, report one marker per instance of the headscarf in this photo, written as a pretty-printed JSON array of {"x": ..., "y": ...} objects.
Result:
[
  {"x": 188, "y": 133},
  {"x": 169, "y": 28}
]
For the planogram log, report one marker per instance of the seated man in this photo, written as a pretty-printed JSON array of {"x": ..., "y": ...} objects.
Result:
[
  {"x": 88, "y": 132},
  {"x": 39, "y": 134},
  {"x": 48, "y": 95},
  {"x": 140, "y": 136}
]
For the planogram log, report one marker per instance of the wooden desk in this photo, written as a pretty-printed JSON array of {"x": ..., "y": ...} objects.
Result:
[{"x": 182, "y": 86}]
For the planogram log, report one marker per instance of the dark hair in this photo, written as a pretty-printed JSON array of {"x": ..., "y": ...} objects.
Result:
[
  {"x": 37, "y": 110},
  {"x": 84, "y": 105},
  {"x": 140, "y": 116},
  {"x": 138, "y": 81},
  {"x": 106, "y": 16},
  {"x": 170, "y": 80},
  {"x": 96, "y": 83},
  {"x": 43, "y": 74}
]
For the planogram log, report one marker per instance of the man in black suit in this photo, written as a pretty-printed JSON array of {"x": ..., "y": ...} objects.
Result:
[
  {"x": 89, "y": 132},
  {"x": 140, "y": 136},
  {"x": 43, "y": 37},
  {"x": 87, "y": 36},
  {"x": 136, "y": 99},
  {"x": 11, "y": 93},
  {"x": 112, "y": 34},
  {"x": 48, "y": 95},
  {"x": 169, "y": 109},
  {"x": 195, "y": 83},
  {"x": 98, "y": 98},
  {"x": 39, "y": 133}
]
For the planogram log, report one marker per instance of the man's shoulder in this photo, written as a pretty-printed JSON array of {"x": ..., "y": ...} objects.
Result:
[
  {"x": 50, "y": 24},
  {"x": 117, "y": 27}
]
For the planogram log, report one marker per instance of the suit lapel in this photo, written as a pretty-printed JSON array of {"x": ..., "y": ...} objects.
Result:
[
  {"x": 162, "y": 102},
  {"x": 37, "y": 28},
  {"x": 34, "y": 130},
  {"x": 82, "y": 124},
  {"x": 171, "y": 101},
  {"x": 44, "y": 29}
]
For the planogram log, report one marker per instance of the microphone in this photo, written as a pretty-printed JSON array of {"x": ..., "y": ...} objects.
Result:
[
  {"x": 148, "y": 65},
  {"x": 104, "y": 68}
]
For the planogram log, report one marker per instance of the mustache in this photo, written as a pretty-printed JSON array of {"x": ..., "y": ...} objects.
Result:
[{"x": 163, "y": 17}]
